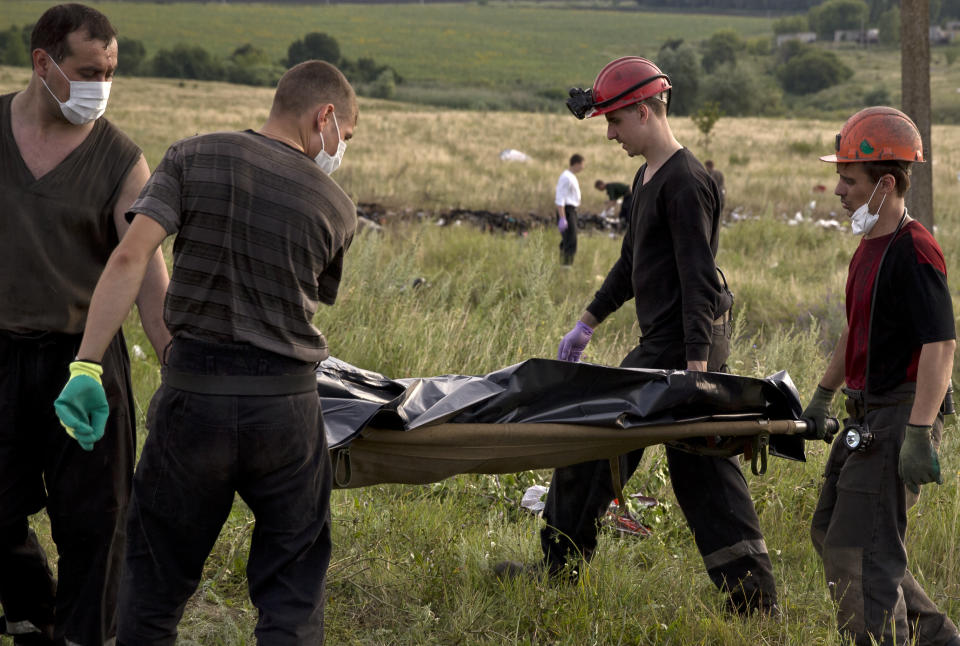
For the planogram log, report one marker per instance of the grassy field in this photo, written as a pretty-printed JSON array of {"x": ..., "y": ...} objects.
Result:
[
  {"x": 411, "y": 564},
  {"x": 500, "y": 45},
  {"x": 501, "y": 55}
]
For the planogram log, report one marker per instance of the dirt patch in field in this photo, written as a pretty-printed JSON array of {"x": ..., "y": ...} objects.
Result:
[{"x": 377, "y": 216}]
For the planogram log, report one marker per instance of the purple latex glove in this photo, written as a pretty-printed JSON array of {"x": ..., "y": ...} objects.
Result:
[
  {"x": 574, "y": 342},
  {"x": 562, "y": 225}
]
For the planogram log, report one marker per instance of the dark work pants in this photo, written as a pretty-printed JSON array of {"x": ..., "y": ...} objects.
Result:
[
  {"x": 85, "y": 493},
  {"x": 568, "y": 239},
  {"x": 200, "y": 450},
  {"x": 858, "y": 529},
  {"x": 711, "y": 492}
]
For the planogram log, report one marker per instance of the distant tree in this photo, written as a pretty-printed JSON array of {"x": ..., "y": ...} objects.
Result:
[
  {"x": 130, "y": 57},
  {"x": 249, "y": 55},
  {"x": 951, "y": 53},
  {"x": 948, "y": 10},
  {"x": 679, "y": 61},
  {"x": 187, "y": 62},
  {"x": 705, "y": 118},
  {"x": 14, "y": 50},
  {"x": 791, "y": 48},
  {"x": 722, "y": 47},
  {"x": 791, "y": 25},
  {"x": 314, "y": 45},
  {"x": 250, "y": 65},
  {"x": 384, "y": 86},
  {"x": 811, "y": 71},
  {"x": 889, "y": 26},
  {"x": 877, "y": 96},
  {"x": 760, "y": 46},
  {"x": 838, "y": 14},
  {"x": 740, "y": 92},
  {"x": 879, "y": 7}
]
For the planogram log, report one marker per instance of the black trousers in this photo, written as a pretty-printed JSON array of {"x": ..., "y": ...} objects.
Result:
[
  {"x": 859, "y": 526},
  {"x": 711, "y": 492},
  {"x": 85, "y": 493},
  {"x": 568, "y": 239},
  {"x": 200, "y": 451}
]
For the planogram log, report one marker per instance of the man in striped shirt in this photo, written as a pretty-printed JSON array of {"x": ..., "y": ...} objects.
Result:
[{"x": 261, "y": 231}]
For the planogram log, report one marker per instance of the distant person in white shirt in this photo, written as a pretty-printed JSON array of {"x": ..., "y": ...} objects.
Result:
[{"x": 567, "y": 201}]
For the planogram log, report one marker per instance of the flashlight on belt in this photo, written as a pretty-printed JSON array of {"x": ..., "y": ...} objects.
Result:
[{"x": 856, "y": 437}]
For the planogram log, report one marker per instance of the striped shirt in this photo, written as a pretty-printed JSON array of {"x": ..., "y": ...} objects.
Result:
[{"x": 261, "y": 235}]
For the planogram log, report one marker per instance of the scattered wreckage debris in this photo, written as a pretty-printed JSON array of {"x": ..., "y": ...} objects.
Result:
[{"x": 376, "y": 216}]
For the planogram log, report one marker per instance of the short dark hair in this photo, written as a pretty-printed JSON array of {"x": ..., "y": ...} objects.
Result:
[
  {"x": 656, "y": 104},
  {"x": 311, "y": 82},
  {"x": 51, "y": 31},
  {"x": 899, "y": 169},
  {"x": 575, "y": 159},
  {"x": 599, "y": 184}
]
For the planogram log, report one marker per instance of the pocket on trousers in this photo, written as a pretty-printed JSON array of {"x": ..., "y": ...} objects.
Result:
[{"x": 863, "y": 473}]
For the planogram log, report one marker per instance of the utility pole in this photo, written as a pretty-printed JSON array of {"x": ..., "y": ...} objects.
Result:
[{"x": 915, "y": 91}]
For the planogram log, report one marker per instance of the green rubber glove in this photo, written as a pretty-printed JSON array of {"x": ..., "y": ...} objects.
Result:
[
  {"x": 919, "y": 463},
  {"x": 82, "y": 405},
  {"x": 817, "y": 411}
]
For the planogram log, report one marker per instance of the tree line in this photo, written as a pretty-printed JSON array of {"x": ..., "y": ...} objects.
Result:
[{"x": 246, "y": 65}]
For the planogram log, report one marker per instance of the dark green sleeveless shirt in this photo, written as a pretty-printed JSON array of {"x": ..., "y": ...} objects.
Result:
[{"x": 56, "y": 232}]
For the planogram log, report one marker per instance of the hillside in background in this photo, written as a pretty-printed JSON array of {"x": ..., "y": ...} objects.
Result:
[{"x": 524, "y": 56}]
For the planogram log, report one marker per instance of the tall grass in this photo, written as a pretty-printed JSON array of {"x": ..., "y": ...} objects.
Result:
[{"x": 411, "y": 564}]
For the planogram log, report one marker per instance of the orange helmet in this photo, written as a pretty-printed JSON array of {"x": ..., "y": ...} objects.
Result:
[
  {"x": 622, "y": 82},
  {"x": 878, "y": 134}
]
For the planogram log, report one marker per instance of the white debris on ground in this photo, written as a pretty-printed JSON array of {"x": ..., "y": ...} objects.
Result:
[
  {"x": 533, "y": 499},
  {"x": 138, "y": 353},
  {"x": 513, "y": 155}
]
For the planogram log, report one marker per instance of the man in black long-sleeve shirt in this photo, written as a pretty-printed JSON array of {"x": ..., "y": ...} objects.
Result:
[{"x": 667, "y": 265}]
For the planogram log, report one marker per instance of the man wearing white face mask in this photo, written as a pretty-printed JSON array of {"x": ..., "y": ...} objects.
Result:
[
  {"x": 67, "y": 176},
  {"x": 261, "y": 232},
  {"x": 895, "y": 357}
]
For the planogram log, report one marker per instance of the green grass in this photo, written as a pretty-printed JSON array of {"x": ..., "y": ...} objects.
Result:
[
  {"x": 500, "y": 46},
  {"x": 411, "y": 564}
]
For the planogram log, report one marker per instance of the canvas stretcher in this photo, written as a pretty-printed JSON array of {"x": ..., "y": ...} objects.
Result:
[{"x": 542, "y": 414}]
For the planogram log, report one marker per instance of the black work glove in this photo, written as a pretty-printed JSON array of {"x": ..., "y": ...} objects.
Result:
[
  {"x": 919, "y": 463},
  {"x": 816, "y": 413}
]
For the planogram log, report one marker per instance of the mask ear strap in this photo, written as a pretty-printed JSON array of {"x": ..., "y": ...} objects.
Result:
[{"x": 882, "y": 200}]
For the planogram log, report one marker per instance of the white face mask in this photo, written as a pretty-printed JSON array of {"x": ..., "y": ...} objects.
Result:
[
  {"x": 862, "y": 220},
  {"x": 87, "y": 102},
  {"x": 327, "y": 162}
]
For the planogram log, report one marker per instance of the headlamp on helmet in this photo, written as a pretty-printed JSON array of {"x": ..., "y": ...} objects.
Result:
[
  {"x": 582, "y": 105},
  {"x": 622, "y": 82}
]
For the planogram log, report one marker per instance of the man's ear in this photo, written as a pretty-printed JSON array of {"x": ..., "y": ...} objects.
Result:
[
  {"x": 644, "y": 111},
  {"x": 888, "y": 183}
]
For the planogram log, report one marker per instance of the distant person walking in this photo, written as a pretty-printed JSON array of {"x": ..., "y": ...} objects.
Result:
[
  {"x": 567, "y": 200},
  {"x": 616, "y": 191},
  {"x": 718, "y": 178},
  {"x": 261, "y": 232},
  {"x": 67, "y": 176}
]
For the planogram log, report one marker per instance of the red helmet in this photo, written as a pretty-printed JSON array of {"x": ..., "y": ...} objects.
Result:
[
  {"x": 620, "y": 83},
  {"x": 878, "y": 134}
]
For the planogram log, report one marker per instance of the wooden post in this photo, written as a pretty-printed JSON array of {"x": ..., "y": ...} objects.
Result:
[{"x": 915, "y": 88}]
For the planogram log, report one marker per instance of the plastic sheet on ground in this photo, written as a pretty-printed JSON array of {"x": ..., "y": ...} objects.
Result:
[{"x": 464, "y": 419}]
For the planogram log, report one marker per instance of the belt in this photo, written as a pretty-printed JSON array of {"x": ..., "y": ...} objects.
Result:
[{"x": 240, "y": 385}]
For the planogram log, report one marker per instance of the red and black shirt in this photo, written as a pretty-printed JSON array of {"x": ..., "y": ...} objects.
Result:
[{"x": 913, "y": 307}]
